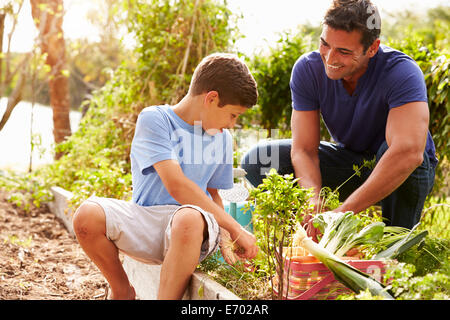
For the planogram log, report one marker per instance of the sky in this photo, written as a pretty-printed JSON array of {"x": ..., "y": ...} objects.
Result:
[{"x": 263, "y": 19}]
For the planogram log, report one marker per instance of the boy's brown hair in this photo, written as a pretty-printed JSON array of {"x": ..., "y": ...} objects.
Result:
[
  {"x": 229, "y": 76},
  {"x": 360, "y": 15}
]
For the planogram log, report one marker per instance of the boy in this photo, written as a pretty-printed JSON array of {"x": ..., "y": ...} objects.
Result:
[{"x": 180, "y": 155}]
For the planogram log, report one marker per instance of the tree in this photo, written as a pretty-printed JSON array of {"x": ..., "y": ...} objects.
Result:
[
  {"x": 48, "y": 17},
  {"x": 96, "y": 156},
  {"x": 7, "y": 76}
]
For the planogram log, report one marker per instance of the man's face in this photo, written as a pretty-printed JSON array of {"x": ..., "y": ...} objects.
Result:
[{"x": 343, "y": 54}]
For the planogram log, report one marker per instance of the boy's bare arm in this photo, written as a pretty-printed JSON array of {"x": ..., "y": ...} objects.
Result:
[
  {"x": 216, "y": 196},
  {"x": 226, "y": 246},
  {"x": 186, "y": 191}
]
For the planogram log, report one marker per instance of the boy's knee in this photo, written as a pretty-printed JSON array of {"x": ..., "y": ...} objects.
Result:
[
  {"x": 188, "y": 224},
  {"x": 87, "y": 220}
]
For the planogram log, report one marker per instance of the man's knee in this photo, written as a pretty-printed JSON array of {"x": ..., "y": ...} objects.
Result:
[
  {"x": 266, "y": 155},
  {"x": 188, "y": 224},
  {"x": 249, "y": 160},
  {"x": 88, "y": 219},
  {"x": 251, "y": 163}
]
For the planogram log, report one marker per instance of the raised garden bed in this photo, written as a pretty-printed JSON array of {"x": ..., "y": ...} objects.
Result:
[{"x": 145, "y": 277}]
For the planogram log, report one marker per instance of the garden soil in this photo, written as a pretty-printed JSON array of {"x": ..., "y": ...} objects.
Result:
[{"x": 41, "y": 260}]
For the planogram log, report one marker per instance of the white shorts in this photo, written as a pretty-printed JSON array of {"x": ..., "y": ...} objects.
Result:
[{"x": 143, "y": 232}]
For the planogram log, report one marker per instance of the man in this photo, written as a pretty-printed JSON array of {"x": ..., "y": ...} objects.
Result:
[{"x": 373, "y": 100}]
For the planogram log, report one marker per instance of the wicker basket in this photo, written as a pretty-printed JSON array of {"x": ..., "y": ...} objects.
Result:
[{"x": 309, "y": 279}]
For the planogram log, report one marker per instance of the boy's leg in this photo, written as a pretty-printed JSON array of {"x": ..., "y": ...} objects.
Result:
[
  {"x": 188, "y": 232},
  {"x": 90, "y": 228}
]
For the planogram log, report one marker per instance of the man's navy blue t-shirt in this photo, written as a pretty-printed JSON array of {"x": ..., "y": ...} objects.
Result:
[{"x": 358, "y": 121}]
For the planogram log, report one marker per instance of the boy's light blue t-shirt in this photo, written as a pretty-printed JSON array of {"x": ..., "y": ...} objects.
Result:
[{"x": 161, "y": 135}]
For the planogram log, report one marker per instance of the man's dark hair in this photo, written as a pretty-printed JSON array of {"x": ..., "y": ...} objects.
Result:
[
  {"x": 360, "y": 15},
  {"x": 229, "y": 76}
]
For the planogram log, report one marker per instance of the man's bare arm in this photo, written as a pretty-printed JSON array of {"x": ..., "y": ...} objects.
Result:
[
  {"x": 406, "y": 134},
  {"x": 305, "y": 126}
]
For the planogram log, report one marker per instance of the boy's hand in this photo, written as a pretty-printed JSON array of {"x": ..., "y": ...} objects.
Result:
[
  {"x": 246, "y": 243},
  {"x": 227, "y": 247},
  {"x": 240, "y": 247}
]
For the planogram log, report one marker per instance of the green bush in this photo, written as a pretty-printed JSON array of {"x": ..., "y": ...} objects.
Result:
[
  {"x": 272, "y": 72},
  {"x": 435, "y": 65},
  {"x": 97, "y": 156},
  {"x": 171, "y": 39}
]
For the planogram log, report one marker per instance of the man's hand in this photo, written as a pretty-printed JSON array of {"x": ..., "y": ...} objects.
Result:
[{"x": 307, "y": 223}]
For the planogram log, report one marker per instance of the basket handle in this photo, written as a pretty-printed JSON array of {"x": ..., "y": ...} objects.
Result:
[{"x": 315, "y": 288}]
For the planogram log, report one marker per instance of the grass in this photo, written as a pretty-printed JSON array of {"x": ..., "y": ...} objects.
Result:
[
  {"x": 436, "y": 217},
  {"x": 254, "y": 285}
]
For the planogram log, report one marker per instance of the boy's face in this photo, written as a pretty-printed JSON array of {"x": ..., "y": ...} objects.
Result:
[{"x": 215, "y": 119}]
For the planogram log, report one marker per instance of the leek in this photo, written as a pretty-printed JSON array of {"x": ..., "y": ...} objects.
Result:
[
  {"x": 328, "y": 222},
  {"x": 341, "y": 231},
  {"x": 370, "y": 234},
  {"x": 351, "y": 277},
  {"x": 404, "y": 243},
  {"x": 346, "y": 229}
]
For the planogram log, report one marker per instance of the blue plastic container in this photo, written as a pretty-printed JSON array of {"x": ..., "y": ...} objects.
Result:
[{"x": 240, "y": 213}]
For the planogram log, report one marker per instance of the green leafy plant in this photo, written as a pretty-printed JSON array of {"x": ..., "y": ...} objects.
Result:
[
  {"x": 171, "y": 39},
  {"x": 419, "y": 273},
  {"x": 406, "y": 286},
  {"x": 401, "y": 245},
  {"x": 429, "y": 256},
  {"x": 272, "y": 72},
  {"x": 279, "y": 204},
  {"x": 436, "y": 217},
  {"x": 25, "y": 189},
  {"x": 342, "y": 231}
]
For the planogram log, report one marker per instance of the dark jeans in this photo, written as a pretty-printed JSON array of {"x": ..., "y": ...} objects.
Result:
[{"x": 403, "y": 207}]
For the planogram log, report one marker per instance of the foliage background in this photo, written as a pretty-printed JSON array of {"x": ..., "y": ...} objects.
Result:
[{"x": 171, "y": 38}]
